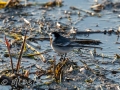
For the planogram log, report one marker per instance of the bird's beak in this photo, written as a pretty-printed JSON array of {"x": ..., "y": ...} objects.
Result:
[{"x": 49, "y": 35}]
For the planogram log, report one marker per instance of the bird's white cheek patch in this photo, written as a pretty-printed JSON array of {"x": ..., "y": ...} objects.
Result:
[
  {"x": 53, "y": 37},
  {"x": 50, "y": 35}
]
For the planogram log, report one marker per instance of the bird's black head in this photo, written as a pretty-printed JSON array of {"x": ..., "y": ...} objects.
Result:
[{"x": 56, "y": 34}]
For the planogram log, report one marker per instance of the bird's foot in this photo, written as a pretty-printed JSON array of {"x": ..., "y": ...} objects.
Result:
[
  {"x": 64, "y": 58},
  {"x": 61, "y": 58}
]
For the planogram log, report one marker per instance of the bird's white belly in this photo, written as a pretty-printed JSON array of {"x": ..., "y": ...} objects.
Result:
[{"x": 61, "y": 50}]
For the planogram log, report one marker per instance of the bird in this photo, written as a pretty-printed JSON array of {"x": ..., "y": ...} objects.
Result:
[{"x": 62, "y": 45}]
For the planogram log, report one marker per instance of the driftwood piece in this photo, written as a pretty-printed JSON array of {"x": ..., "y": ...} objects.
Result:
[{"x": 12, "y": 3}]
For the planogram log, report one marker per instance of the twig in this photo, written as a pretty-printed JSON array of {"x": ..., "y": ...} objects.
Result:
[
  {"x": 37, "y": 52},
  {"x": 21, "y": 52},
  {"x": 88, "y": 67},
  {"x": 32, "y": 65},
  {"x": 8, "y": 47},
  {"x": 86, "y": 11}
]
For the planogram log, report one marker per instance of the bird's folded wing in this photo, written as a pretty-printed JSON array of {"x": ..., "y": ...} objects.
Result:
[
  {"x": 63, "y": 44},
  {"x": 68, "y": 44}
]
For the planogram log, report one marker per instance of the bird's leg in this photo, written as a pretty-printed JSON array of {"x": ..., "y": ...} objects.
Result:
[
  {"x": 64, "y": 56},
  {"x": 61, "y": 57}
]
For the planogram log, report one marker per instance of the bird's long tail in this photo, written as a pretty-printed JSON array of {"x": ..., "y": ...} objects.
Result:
[{"x": 87, "y": 46}]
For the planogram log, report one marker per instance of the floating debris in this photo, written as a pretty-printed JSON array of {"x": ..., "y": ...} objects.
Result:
[
  {"x": 53, "y": 3},
  {"x": 38, "y": 69},
  {"x": 2, "y": 4},
  {"x": 97, "y": 8}
]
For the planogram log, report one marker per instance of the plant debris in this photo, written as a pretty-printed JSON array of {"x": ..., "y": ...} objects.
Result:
[{"x": 28, "y": 62}]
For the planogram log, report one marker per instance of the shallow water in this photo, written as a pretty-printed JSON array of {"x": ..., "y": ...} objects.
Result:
[{"x": 107, "y": 21}]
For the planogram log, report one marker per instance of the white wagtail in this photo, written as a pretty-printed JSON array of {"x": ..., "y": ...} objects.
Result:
[{"x": 62, "y": 44}]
